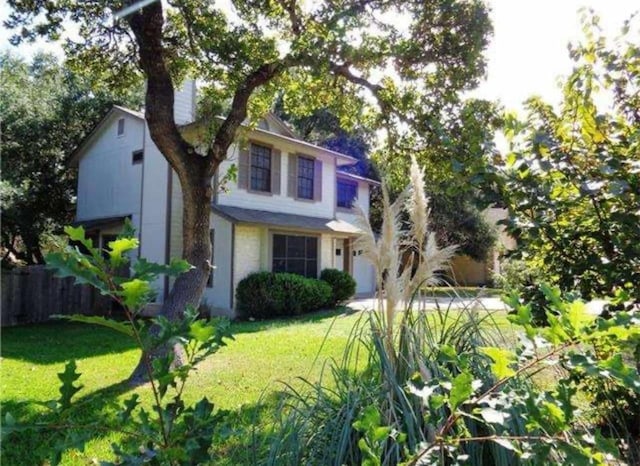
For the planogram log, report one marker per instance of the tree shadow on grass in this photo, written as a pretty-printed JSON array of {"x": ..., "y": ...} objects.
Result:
[
  {"x": 247, "y": 326},
  {"x": 242, "y": 438},
  {"x": 59, "y": 342},
  {"x": 94, "y": 413}
]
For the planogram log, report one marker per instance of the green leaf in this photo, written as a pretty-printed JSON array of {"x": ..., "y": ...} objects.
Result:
[
  {"x": 369, "y": 419},
  {"x": 553, "y": 416},
  {"x": 380, "y": 433},
  {"x": 77, "y": 234},
  {"x": 68, "y": 389},
  {"x": 78, "y": 267},
  {"x": 461, "y": 389},
  {"x": 616, "y": 368},
  {"x": 135, "y": 293},
  {"x": 502, "y": 359},
  {"x": 577, "y": 316},
  {"x": 201, "y": 331},
  {"x": 117, "y": 248},
  {"x": 122, "y": 327},
  {"x": 149, "y": 271}
]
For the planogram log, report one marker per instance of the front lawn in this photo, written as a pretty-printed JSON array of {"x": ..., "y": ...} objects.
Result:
[
  {"x": 243, "y": 377},
  {"x": 249, "y": 369}
]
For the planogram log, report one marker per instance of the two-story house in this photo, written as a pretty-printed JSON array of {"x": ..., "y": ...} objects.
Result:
[{"x": 289, "y": 209}]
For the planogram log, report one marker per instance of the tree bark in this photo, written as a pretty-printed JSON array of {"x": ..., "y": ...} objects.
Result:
[
  {"x": 194, "y": 171},
  {"x": 188, "y": 288}
]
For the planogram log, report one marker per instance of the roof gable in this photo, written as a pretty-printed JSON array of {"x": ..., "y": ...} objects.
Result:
[{"x": 115, "y": 112}]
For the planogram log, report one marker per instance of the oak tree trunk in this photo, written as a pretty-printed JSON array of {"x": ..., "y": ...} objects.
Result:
[
  {"x": 195, "y": 171},
  {"x": 188, "y": 288}
]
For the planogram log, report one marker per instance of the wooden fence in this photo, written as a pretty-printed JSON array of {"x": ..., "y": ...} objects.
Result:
[{"x": 33, "y": 294}]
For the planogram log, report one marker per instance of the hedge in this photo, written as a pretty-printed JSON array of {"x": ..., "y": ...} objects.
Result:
[
  {"x": 267, "y": 294},
  {"x": 343, "y": 285}
]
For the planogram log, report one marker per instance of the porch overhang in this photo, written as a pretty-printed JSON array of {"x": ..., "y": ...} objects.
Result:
[
  {"x": 99, "y": 223},
  {"x": 286, "y": 221}
]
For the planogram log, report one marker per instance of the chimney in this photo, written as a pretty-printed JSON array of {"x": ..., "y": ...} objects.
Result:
[{"x": 184, "y": 107}]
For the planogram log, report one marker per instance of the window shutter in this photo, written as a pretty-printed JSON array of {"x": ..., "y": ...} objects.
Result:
[
  {"x": 275, "y": 171},
  {"x": 317, "y": 181},
  {"x": 243, "y": 168},
  {"x": 292, "y": 185}
]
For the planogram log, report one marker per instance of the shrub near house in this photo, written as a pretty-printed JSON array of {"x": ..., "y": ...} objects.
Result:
[
  {"x": 343, "y": 285},
  {"x": 267, "y": 294}
]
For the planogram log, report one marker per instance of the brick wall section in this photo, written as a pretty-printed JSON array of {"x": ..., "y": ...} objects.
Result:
[
  {"x": 246, "y": 252},
  {"x": 326, "y": 252}
]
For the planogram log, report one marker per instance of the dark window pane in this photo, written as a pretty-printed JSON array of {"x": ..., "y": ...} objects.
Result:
[
  {"x": 296, "y": 266},
  {"x": 305, "y": 178},
  {"x": 347, "y": 192},
  {"x": 312, "y": 269},
  {"x": 260, "y": 168},
  {"x": 312, "y": 248},
  {"x": 295, "y": 254},
  {"x": 279, "y": 265},
  {"x": 279, "y": 246},
  {"x": 137, "y": 157},
  {"x": 296, "y": 246}
]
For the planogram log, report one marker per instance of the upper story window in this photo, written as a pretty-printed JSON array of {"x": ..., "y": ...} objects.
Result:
[
  {"x": 305, "y": 177},
  {"x": 260, "y": 168},
  {"x": 347, "y": 193},
  {"x": 120, "y": 127}
]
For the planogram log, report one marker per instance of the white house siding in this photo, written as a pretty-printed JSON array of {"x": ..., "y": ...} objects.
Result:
[
  {"x": 184, "y": 102},
  {"x": 326, "y": 252},
  {"x": 219, "y": 295},
  {"x": 154, "y": 209},
  {"x": 364, "y": 274},
  {"x": 247, "y": 251},
  {"x": 109, "y": 185},
  {"x": 281, "y": 202}
]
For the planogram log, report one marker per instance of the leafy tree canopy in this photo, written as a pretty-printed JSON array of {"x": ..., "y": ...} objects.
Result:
[
  {"x": 353, "y": 58},
  {"x": 572, "y": 174},
  {"x": 45, "y": 111},
  {"x": 390, "y": 62}
]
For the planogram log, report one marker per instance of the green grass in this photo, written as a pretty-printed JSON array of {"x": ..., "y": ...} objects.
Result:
[
  {"x": 263, "y": 356},
  {"x": 243, "y": 377}
]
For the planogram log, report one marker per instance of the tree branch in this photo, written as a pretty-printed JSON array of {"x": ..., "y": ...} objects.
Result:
[
  {"x": 227, "y": 132},
  {"x": 290, "y": 7},
  {"x": 147, "y": 25}
]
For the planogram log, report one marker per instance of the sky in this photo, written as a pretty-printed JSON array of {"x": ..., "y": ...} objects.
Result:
[{"x": 528, "y": 50}]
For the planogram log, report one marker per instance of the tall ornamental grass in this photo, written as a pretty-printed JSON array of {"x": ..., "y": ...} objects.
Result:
[{"x": 325, "y": 423}]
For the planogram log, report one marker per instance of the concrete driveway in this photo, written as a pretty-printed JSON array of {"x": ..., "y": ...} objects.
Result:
[{"x": 486, "y": 303}]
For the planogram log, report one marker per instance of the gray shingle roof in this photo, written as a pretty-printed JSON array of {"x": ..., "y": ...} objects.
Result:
[{"x": 279, "y": 219}]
